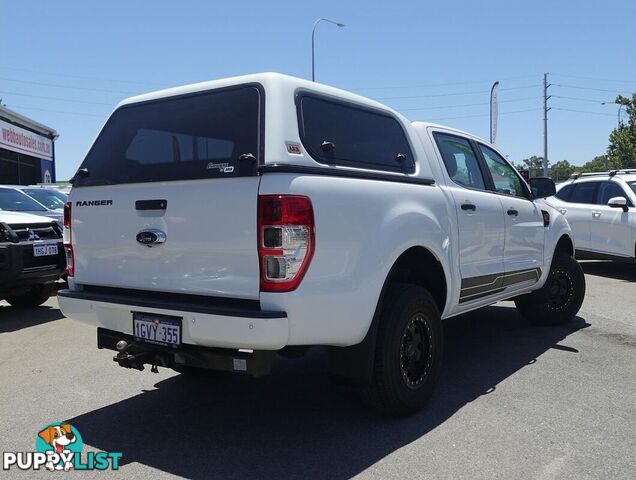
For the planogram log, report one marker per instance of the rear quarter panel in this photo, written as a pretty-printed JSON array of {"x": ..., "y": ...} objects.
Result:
[{"x": 362, "y": 227}]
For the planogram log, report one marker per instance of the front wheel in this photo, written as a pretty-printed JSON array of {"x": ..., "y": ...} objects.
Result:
[
  {"x": 409, "y": 349},
  {"x": 34, "y": 297},
  {"x": 560, "y": 298}
]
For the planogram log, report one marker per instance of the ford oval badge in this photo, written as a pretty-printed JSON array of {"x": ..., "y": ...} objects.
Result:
[{"x": 151, "y": 237}]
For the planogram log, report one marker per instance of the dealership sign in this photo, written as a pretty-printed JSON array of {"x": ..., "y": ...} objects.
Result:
[{"x": 26, "y": 142}]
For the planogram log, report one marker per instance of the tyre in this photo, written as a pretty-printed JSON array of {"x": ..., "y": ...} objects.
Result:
[
  {"x": 560, "y": 299},
  {"x": 35, "y": 297},
  {"x": 409, "y": 350}
]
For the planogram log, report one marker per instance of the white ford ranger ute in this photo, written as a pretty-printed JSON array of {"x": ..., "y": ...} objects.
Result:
[{"x": 217, "y": 224}]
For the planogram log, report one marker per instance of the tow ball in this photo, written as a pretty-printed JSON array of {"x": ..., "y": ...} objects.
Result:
[{"x": 131, "y": 360}]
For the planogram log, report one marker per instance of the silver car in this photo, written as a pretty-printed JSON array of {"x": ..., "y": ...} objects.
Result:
[
  {"x": 51, "y": 198},
  {"x": 13, "y": 199}
]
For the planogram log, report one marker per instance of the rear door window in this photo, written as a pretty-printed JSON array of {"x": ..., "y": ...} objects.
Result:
[
  {"x": 206, "y": 135},
  {"x": 341, "y": 133},
  {"x": 584, "y": 193}
]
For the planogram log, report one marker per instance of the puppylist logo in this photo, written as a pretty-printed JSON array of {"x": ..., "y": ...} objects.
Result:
[{"x": 58, "y": 446}]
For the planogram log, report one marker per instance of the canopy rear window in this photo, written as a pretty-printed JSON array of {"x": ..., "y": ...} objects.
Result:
[
  {"x": 208, "y": 135},
  {"x": 342, "y": 133}
]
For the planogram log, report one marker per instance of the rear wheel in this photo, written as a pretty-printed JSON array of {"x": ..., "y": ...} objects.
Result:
[
  {"x": 409, "y": 349},
  {"x": 560, "y": 299},
  {"x": 34, "y": 297}
]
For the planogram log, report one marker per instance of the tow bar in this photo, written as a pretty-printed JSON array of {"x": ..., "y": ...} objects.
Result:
[
  {"x": 136, "y": 361},
  {"x": 135, "y": 354}
]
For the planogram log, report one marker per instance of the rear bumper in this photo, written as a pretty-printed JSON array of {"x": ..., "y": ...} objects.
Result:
[{"x": 217, "y": 324}]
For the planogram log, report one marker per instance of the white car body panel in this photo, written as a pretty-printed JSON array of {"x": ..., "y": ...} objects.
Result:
[
  {"x": 210, "y": 248},
  {"x": 600, "y": 229},
  {"x": 16, "y": 218}
]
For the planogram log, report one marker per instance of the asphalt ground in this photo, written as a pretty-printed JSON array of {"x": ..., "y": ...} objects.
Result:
[{"x": 515, "y": 401}]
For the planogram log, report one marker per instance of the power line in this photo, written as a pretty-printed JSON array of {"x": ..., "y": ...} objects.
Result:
[
  {"x": 590, "y": 88},
  {"x": 486, "y": 114},
  {"x": 441, "y": 107},
  {"x": 84, "y": 77},
  {"x": 579, "y": 99},
  {"x": 70, "y": 100},
  {"x": 58, "y": 111},
  {"x": 478, "y": 92},
  {"x": 432, "y": 85},
  {"x": 585, "y": 111},
  {"x": 632, "y": 82},
  {"x": 56, "y": 85}
]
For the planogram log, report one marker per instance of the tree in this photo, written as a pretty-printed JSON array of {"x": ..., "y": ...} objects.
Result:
[
  {"x": 622, "y": 141},
  {"x": 598, "y": 164},
  {"x": 534, "y": 165},
  {"x": 562, "y": 170}
]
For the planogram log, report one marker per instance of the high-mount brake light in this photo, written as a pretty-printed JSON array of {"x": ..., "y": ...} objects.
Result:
[
  {"x": 285, "y": 240},
  {"x": 68, "y": 244}
]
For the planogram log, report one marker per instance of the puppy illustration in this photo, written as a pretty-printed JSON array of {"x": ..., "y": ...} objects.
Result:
[{"x": 58, "y": 437}]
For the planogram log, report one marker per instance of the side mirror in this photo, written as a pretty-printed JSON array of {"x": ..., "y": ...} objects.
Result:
[
  {"x": 618, "y": 202},
  {"x": 542, "y": 187}
]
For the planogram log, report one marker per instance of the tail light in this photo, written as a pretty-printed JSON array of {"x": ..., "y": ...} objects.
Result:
[
  {"x": 68, "y": 244},
  {"x": 285, "y": 240},
  {"x": 67, "y": 215}
]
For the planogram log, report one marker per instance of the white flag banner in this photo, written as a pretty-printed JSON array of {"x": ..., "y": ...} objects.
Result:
[{"x": 494, "y": 111}]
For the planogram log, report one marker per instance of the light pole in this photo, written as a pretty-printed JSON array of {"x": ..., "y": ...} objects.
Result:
[
  {"x": 620, "y": 106},
  {"x": 313, "y": 35}
]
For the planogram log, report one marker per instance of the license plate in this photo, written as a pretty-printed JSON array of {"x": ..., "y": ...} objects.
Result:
[
  {"x": 43, "y": 250},
  {"x": 158, "y": 329}
]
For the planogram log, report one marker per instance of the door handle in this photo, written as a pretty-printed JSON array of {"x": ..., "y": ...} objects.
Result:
[
  {"x": 512, "y": 212},
  {"x": 151, "y": 204},
  {"x": 468, "y": 207},
  {"x": 596, "y": 214}
]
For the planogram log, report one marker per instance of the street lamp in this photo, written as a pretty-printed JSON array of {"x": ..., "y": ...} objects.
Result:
[
  {"x": 620, "y": 105},
  {"x": 313, "y": 34}
]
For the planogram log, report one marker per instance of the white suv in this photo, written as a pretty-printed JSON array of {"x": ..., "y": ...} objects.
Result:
[{"x": 600, "y": 210}]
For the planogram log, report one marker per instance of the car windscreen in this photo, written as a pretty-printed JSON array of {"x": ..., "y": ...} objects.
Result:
[
  {"x": 49, "y": 198},
  {"x": 206, "y": 135},
  {"x": 632, "y": 185},
  {"x": 16, "y": 201}
]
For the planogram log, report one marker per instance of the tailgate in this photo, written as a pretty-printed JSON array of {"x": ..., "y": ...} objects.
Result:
[
  {"x": 166, "y": 199},
  {"x": 210, "y": 245}
]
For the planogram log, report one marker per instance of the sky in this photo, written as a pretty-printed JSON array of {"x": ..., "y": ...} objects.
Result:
[{"x": 67, "y": 64}]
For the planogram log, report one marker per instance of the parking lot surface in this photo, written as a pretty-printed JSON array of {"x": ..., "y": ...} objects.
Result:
[{"x": 514, "y": 401}]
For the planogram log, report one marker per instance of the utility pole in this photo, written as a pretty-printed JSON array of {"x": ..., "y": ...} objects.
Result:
[{"x": 545, "y": 123}]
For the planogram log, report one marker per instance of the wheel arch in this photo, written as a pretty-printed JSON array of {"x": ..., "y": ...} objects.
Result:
[
  {"x": 565, "y": 245},
  {"x": 417, "y": 265}
]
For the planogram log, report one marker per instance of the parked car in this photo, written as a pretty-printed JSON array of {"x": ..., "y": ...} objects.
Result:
[
  {"x": 198, "y": 238},
  {"x": 13, "y": 199},
  {"x": 600, "y": 210},
  {"x": 51, "y": 198},
  {"x": 31, "y": 258}
]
